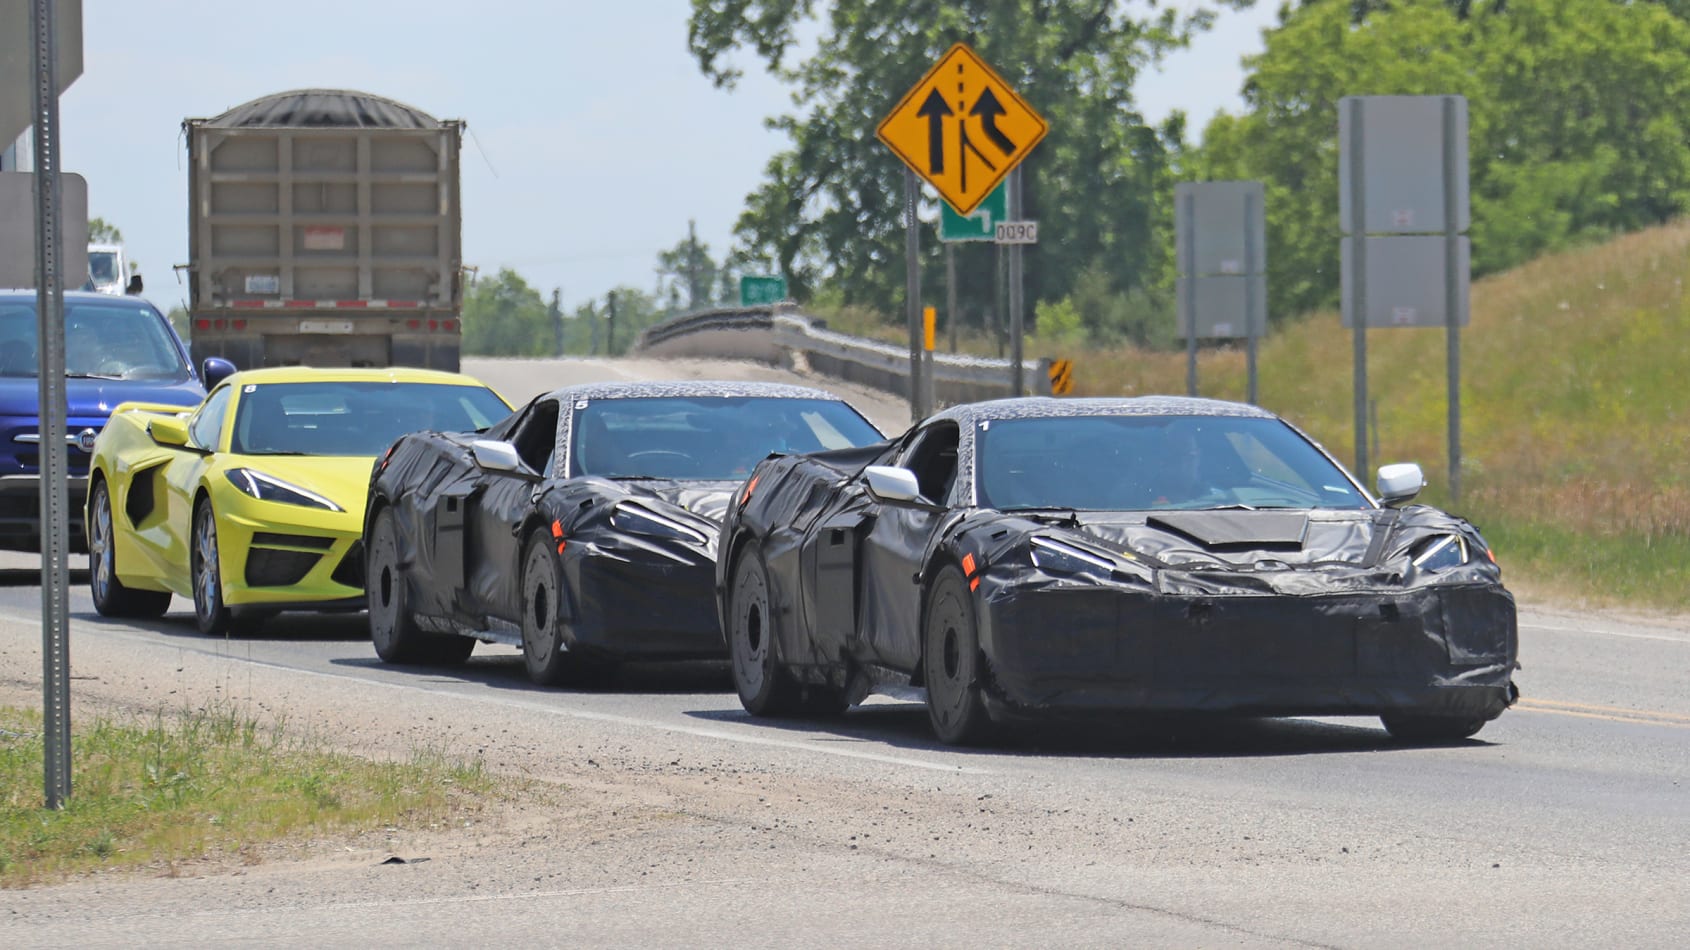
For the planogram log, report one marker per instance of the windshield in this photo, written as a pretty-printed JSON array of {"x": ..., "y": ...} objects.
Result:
[
  {"x": 1129, "y": 463},
  {"x": 102, "y": 267},
  {"x": 122, "y": 339},
  {"x": 706, "y": 437},
  {"x": 354, "y": 418}
]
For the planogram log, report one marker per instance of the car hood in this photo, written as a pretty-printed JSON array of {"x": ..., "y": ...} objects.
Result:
[
  {"x": 707, "y": 500},
  {"x": 344, "y": 479},
  {"x": 20, "y": 396}
]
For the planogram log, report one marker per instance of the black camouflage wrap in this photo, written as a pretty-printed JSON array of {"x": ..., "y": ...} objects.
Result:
[
  {"x": 1270, "y": 612},
  {"x": 463, "y": 530}
]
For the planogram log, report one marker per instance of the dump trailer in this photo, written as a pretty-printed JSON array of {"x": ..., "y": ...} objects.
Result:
[{"x": 324, "y": 230}]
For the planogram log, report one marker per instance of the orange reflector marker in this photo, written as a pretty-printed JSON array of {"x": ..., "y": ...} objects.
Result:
[
  {"x": 557, "y": 532},
  {"x": 968, "y": 564},
  {"x": 749, "y": 488},
  {"x": 973, "y": 584},
  {"x": 1490, "y": 554}
]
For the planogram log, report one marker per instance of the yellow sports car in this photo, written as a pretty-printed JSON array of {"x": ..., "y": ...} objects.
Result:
[{"x": 254, "y": 501}]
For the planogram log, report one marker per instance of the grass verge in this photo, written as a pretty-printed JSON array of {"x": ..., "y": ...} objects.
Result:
[{"x": 182, "y": 786}]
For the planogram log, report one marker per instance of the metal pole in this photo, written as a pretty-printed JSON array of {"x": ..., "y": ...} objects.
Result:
[
  {"x": 1358, "y": 279},
  {"x": 1455, "y": 303},
  {"x": 912, "y": 292},
  {"x": 1252, "y": 330},
  {"x": 610, "y": 324},
  {"x": 55, "y": 488},
  {"x": 1191, "y": 294},
  {"x": 951, "y": 316},
  {"x": 1017, "y": 321}
]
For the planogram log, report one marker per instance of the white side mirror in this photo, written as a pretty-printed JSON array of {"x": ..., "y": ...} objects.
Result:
[
  {"x": 496, "y": 456},
  {"x": 1400, "y": 482},
  {"x": 892, "y": 484}
]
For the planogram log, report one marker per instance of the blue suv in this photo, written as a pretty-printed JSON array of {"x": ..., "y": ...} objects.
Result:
[{"x": 117, "y": 349}]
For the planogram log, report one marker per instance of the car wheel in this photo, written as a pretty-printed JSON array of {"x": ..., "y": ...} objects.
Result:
[
  {"x": 765, "y": 687},
  {"x": 393, "y": 629},
  {"x": 544, "y": 651},
  {"x": 111, "y": 598},
  {"x": 1430, "y": 729},
  {"x": 211, "y": 615},
  {"x": 951, "y": 663}
]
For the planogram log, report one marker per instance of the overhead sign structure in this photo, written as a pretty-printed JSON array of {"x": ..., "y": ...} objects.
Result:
[
  {"x": 962, "y": 128},
  {"x": 979, "y": 224},
  {"x": 754, "y": 290}
]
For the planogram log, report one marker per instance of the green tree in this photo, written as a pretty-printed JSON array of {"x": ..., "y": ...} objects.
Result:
[
  {"x": 589, "y": 329},
  {"x": 1577, "y": 119},
  {"x": 828, "y": 213},
  {"x": 687, "y": 277},
  {"x": 504, "y": 316},
  {"x": 101, "y": 231}
]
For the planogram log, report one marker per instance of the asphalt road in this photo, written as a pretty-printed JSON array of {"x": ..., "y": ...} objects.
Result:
[{"x": 680, "y": 821}]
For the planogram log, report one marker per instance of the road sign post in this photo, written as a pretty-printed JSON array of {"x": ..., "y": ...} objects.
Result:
[{"x": 1403, "y": 205}]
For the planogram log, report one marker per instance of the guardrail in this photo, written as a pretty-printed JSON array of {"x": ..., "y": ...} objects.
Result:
[{"x": 779, "y": 335}]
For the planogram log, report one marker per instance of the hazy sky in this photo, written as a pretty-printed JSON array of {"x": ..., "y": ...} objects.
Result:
[{"x": 592, "y": 140}]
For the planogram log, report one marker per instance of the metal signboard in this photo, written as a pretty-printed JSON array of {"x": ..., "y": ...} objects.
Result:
[
  {"x": 1401, "y": 141},
  {"x": 962, "y": 128},
  {"x": 755, "y": 290},
  {"x": 17, "y": 230},
  {"x": 1228, "y": 234},
  {"x": 979, "y": 224},
  {"x": 1017, "y": 232},
  {"x": 17, "y": 76},
  {"x": 1061, "y": 377},
  {"x": 1407, "y": 281},
  {"x": 1225, "y": 307}
]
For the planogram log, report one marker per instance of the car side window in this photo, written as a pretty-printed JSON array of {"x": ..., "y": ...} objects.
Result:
[
  {"x": 536, "y": 436},
  {"x": 208, "y": 421},
  {"x": 932, "y": 457}
]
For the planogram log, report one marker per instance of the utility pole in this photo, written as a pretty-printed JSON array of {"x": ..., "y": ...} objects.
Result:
[
  {"x": 696, "y": 294},
  {"x": 610, "y": 324},
  {"x": 555, "y": 312}
]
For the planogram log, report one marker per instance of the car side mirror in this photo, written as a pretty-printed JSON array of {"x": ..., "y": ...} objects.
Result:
[
  {"x": 214, "y": 370},
  {"x": 1400, "y": 482},
  {"x": 892, "y": 484},
  {"x": 495, "y": 456},
  {"x": 169, "y": 430},
  {"x": 134, "y": 286}
]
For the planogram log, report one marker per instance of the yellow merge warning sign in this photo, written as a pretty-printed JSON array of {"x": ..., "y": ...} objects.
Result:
[{"x": 962, "y": 128}]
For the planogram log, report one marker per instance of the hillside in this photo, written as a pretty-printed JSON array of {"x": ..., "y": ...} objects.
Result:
[{"x": 1576, "y": 423}]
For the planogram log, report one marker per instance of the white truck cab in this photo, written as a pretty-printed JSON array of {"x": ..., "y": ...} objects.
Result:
[{"x": 108, "y": 270}]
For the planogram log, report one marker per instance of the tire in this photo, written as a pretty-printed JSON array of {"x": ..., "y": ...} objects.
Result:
[
  {"x": 1430, "y": 730},
  {"x": 111, "y": 598},
  {"x": 951, "y": 663},
  {"x": 393, "y": 629},
  {"x": 211, "y": 615},
  {"x": 765, "y": 687},
  {"x": 544, "y": 651}
]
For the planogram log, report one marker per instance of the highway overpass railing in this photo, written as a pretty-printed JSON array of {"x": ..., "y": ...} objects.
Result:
[{"x": 780, "y": 336}]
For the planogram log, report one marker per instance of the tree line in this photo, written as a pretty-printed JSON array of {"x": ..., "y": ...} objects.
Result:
[{"x": 1577, "y": 130}]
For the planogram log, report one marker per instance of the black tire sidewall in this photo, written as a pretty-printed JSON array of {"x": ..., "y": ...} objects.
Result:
[
  {"x": 397, "y": 641},
  {"x": 540, "y": 566}
]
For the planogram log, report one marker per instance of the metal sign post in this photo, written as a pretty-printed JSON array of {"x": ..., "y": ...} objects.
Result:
[
  {"x": 1017, "y": 325},
  {"x": 912, "y": 292},
  {"x": 55, "y": 489}
]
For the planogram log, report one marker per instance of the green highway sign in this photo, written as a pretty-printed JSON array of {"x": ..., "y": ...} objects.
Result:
[
  {"x": 761, "y": 290},
  {"x": 979, "y": 226}
]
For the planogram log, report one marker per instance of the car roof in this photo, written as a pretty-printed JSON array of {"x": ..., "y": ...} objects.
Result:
[
  {"x": 80, "y": 296},
  {"x": 351, "y": 374},
  {"x": 1036, "y": 407},
  {"x": 689, "y": 388}
]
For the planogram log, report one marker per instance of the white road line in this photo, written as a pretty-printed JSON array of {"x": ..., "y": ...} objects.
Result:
[
  {"x": 700, "y": 731},
  {"x": 1605, "y": 633}
]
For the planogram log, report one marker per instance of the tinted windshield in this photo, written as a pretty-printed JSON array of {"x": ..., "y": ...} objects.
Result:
[
  {"x": 706, "y": 437},
  {"x": 102, "y": 267},
  {"x": 1145, "y": 462},
  {"x": 122, "y": 339},
  {"x": 354, "y": 418}
]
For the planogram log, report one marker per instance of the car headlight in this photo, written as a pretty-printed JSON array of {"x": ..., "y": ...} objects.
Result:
[
  {"x": 1060, "y": 557},
  {"x": 264, "y": 487},
  {"x": 637, "y": 519},
  {"x": 1442, "y": 553}
]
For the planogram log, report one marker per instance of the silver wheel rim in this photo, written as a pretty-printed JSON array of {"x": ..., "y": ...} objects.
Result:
[
  {"x": 101, "y": 543},
  {"x": 751, "y": 630},
  {"x": 206, "y": 582}
]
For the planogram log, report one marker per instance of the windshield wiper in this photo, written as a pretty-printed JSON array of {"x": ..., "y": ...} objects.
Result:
[{"x": 92, "y": 376}]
